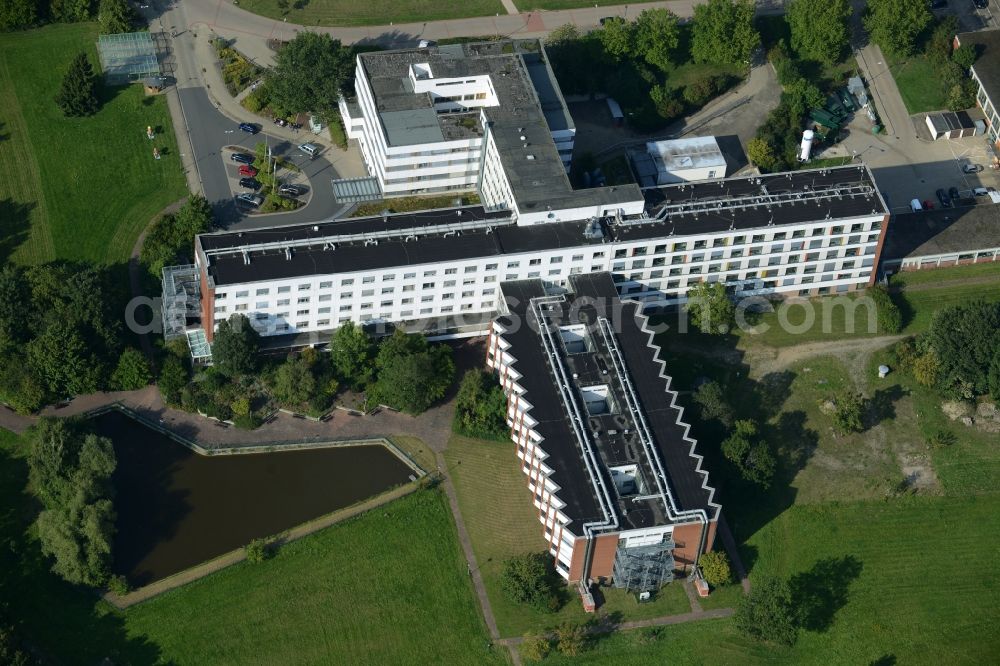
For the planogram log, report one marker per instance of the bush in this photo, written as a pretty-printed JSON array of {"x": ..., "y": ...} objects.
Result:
[
  {"x": 247, "y": 421},
  {"x": 702, "y": 90},
  {"x": 173, "y": 378},
  {"x": 941, "y": 439},
  {"x": 119, "y": 585},
  {"x": 132, "y": 372},
  {"x": 926, "y": 368},
  {"x": 481, "y": 407},
  {"x": 571, "y": 639},
  {"x": 714, "y": 566},
  {"x": 256, "y": 551},
  {"x": 536, "y": 647},
  {"x": 849, "y": 413},
  {"x": 888, "y": 315},
  {"x": 765, "y": 614}
]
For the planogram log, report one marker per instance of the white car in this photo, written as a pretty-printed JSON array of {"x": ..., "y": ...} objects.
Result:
[
  {"x": 971, "y": 168},
  {"x": 310, "y": 149},
  {"x": 250, "y": 198}
]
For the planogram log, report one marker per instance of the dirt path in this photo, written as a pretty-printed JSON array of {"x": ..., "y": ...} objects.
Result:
[{"x": 853, "y": 352}]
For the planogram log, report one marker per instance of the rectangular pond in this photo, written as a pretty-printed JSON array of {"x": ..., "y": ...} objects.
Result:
[{"x": 177, "y": 508}]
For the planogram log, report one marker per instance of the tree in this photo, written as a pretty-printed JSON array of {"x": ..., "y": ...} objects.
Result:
[
  {"x": 78, "y": 95},
  {"x": 71, "y": 474},
  {"x": 712, "y": 404},
  {"x": 17, "y": 14},
  {"x": 820, "y": 28},
  {"x": 895, "y": 24},
  {"x": 310, "y": 72},
  {"x": 714, "y": 566},
  {"x": 62, "y": 361},
  {"x": 481, "y": 406},
  {"x": 115, "y": 16},
  {"x": 173, "y": 379},
  {"x": 656, "y": 36},
  {"x": 562, "y": 35},
  {"x": 283, "y": 6},
  {"x": 765, "y": 613},
  {"x": 528, "y": 579},
  {"x": 352, "y": 354},
  {"x": 171, "y": 237},
  {"x": 993, "y": 377},
  {"x": 20, "y": 386},
  {"x": 709, "y": 308},
  {"x": 965, "y": 339},
  {"x": 962, "y": 95},
  {"x": 617, "y": 36},
  {"x": 132, "y": 372},
  {"x": 964, "y": 56},
  {"x": 235, "y": 347},
  {"x": 14, "y": 302},
  {"x": 412, "y": 375},
  {"x": 294, "y": 383},
  {"x": 750, "y": 453},
  {"x": 724, "y": 32},
  {"x": 761, "y": 153},
  {"x": 848, "y": 414}
]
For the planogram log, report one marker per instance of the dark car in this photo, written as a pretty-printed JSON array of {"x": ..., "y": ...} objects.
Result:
[
  {"x": 982, "y": 4},
  {"x": 250, "y": 183},
  {"x": 954, "y": 195},
  {"x": 249, "y": 128},
  {"x": 290, "y": 190},
  {"x": 943, "y": 198},
  {"x": 242, "y": 158}
]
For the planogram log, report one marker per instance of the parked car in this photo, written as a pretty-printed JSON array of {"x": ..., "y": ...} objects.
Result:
[
  {"x": 954, "y": 195},
  {"x": 250, "y": 198},
  {"x": 247, "y": 170},
  {"x": 250, "y": 183},
  {"x": 915, "y": 205},
  {"x": 242, "y": 158},
  {"x": 982, "y": 4},
  {"x": 943, "y": 198},
  {"x": 310, "y": 149},
  {"x": 249, "y": 128},
  {"x": 972, "y": 168},
  {"x": 426, "y": 43},
  {"x": 981, "y": 191},
  {"x": 290, "y": 190}
]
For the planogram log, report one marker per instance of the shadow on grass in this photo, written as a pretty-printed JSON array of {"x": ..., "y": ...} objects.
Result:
[
  {"x": 15, "y": 225},
  {"x": 817, "y": 594},
  {"x": 61, "y": 620},
  {"x": 882, "y": 405}
]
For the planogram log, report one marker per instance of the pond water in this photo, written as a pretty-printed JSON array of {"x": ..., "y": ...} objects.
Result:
[{"x": 177, "y": 508}]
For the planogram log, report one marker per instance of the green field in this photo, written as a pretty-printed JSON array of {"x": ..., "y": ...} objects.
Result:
[
  {"x": 920, "y": 86},
  {"x": 550, "y": 5},
  {"x": 76, "y": 188},
  {"x": 388, "y": 587},
  {"x": 496, "y": 505},
  {"x": 372, "y": 12}
]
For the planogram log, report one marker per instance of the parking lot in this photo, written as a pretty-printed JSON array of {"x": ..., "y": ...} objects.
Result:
[{"x": 242, "y": 178}]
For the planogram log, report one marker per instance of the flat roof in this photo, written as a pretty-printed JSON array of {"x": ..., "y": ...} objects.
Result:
[
  {"x": 692, "y": 153},
  {"x": 427, "y": 237},
  {"x": 942, "y": 231},
  {"x": 987, "y": 65},
  {"x": 616, "y": 435}
]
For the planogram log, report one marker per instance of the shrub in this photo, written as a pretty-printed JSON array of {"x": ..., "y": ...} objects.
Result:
[
  {"x": 888, "y": 315},
  {"x": 714, "y": 566},
  {"x": 926, "y": 369},
  {"x": 536, "y": 647},
  {"x": 941, "y": 439},
  {"x": 256, "y": 551},
  {"x": 650, "y": 635},
  {"x": 528, "y": 579},
  {"x": 119, "y": 585},
  {"x": 247, "y": 421},
  {"x": 849, "y": 412},
  {"x": 241, "y": 406},
  {"x": 173, "y": 378},
  {"x": 904, "y": 354},
  {"x": 571, "y": 639}
]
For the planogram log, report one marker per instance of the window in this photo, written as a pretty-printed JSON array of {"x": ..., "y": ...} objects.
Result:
[
  {"x": 325, "y": 285},
  {"x": 472, "y": 269},
  {"x": 323, "y": 322},
  {"x": 555, "y": 260},
  {"x": 262, "y": 292},
  {"x": 493, "y": 278},
  {"x": 385, "y": 304},
  {"x": 450, "y": 271},
  {"x": 757, "y": 238},
  {"x": 618, "y": 266},
  {"x": 577, "y": 257},
  {"x": 302, "y": 313},
  {"x": 449, "y": 283},
  {"x": 638, "y": 252},
  {"x": 283, "y": 301},
  {"x": 513, "y": 264},
  {"x": 534, "y": 262},
  {"x": 510, "y": 276},
  {"x": 302, "y": 299},
  {"x": 220, "y": 308},
  {"x": 489, "y": 267},
  {"x": 700, "y": 245},
  {"x": 534, "y": 274},
  {"x": 639, "y": 263},
  {"x": 595, "y": 268},
  {"x": 368, "y": 279},
  {"x": 468, "y": 294},
  {"x": 366, "y": 306},
  {"x": 388, "y": 277},
  {"x": 260, "y": 305},
  {"x": 365, "y": 293},
  {"x": 220, "y": 295},
  {"x": 323, "y": 311},
  {"x": 242, "y": 294},
  {"x": 659, "y": 249},
  {"x": 620, "y": 254},
  {"x": 426, "y": 299},
  {"x": 305, "y": 287},
  {"x": 347, "y": 294},
  {"x": 780, "y": 235},
  {"x": 387, "y": 290},
  {"x": 427, "y": 285},
  {"x": 430, "y": 273},
  {"x": 409, "y": 276},
  {"x": 409, "y": 287},
  {"x": 347, "y": 282}
]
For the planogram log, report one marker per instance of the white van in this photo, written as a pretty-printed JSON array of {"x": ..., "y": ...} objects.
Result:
[
  {"x": 915, "y": 205},
  {"x": 310, "y": 149}
]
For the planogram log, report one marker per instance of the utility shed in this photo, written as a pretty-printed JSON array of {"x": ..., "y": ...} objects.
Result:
[
  {"x": 948, "y": 125},
  {"x": 683, "y": 160}
]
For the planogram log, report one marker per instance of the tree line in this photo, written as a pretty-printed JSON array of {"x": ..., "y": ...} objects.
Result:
[{"x": 114, "y": 16}]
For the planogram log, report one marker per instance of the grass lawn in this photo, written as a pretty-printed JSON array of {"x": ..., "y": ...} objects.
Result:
[
  {"x": 86, "y": 186},
  {"x": 919, "y": 84},
  {"x": 387, "y": 587},
  {"x": 866, "y": 567},
  {"x": 496, "y": 504},
  {"x": 372, "y": 12},
  {"x": 983, "y": 271},
  {"x": 549, "y": 5}
]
